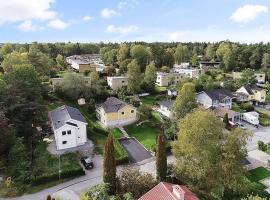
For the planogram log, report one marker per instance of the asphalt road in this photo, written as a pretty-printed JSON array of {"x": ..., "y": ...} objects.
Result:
[{"x": 136, "y": 151}]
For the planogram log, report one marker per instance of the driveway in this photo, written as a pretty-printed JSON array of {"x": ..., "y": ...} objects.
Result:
[
  {"x": 136, "y": 151},
  {"x": 259, "y": 134}
]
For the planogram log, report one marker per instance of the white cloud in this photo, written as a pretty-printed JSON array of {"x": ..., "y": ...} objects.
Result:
[
  {"x": 177, "y": 34},
  {"x": 87, "y": 18},
  {"x": 126, "y": 4},
  {"x": 108, "y": 13},
  {"x": 123, "y": 30},
  {"x": 19, "y": 10},
  {"x": 58, "y": 24},
  {"x": 248, "y": 13},
  {"x": 27, "y": 26}
]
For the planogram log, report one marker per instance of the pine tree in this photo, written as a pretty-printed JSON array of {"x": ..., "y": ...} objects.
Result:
[
  {"x": 226, "y": 120},
  {"x": 109, "y": 166},
  {"x": 161, "y": 159}
]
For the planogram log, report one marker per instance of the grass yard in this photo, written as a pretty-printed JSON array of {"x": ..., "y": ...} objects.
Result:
[
  {"x": 149, "y": 100},
  {"x": 159, "y": 89},
  {"x": 264, "y": 116},
  {"x": 146, "y": 133},
  {"x": 258, "y": 174},
  {"x": 116, "y": 133}
]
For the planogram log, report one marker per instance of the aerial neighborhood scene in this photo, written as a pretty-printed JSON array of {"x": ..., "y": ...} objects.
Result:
[{"x": 134, "y": 100}]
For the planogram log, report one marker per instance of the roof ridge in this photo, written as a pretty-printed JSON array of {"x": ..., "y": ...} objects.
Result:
[{"x": 171, "y": 193}]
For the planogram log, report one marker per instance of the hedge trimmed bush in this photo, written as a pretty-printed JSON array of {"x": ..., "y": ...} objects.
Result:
[{"x": 54, "y": 177}]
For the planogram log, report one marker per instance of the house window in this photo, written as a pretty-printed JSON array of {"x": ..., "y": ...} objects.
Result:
[
  {"x": 69, "y": 132},
  {"x": 123, "y": 113},
  {"x": 64, "y": 132},
  {"x": 64, "y": 142},
  {"x": 123, "y": 81},
  {"x": 132, "y": 111}
]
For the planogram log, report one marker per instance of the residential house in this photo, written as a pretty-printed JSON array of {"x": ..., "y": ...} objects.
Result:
[
  {"x": 86, "y": 62},
  {"x": 116, "y": 82},
  {"x": 215, "y": 98},
  {"x": 232, "y": 115},
  {"x": 169, "y": 191},
  {"x": 115, "y": 112},
  {"x": 57, "y": 81},
  {"x": 251, "y": 93},
  {"x": 184, "y": 68},
  {"x": 165, "y": 108},
  {"x": 260, "y": 76},
  {"x": 208, "y": 65},
  {"x": 69, "y": 127},
  {"x": 168, "y": 79}
]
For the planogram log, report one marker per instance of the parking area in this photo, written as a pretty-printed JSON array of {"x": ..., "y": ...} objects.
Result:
[
  {"x": 136, "y": 151},
  {"x": 259, "y": 134}
]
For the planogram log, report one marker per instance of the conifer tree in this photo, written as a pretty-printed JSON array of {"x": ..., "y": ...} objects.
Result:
[
  {"x": 109, "y": 165},
  {"x": 161, "y": 159}
]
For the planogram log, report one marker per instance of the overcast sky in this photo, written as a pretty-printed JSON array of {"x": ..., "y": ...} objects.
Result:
[{"x": 134, "y": 20}]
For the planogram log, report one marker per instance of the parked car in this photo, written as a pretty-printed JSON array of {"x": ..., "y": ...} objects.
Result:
[
  {"x": 239, "y": 125},
  {"x": 87, "y": 162}
]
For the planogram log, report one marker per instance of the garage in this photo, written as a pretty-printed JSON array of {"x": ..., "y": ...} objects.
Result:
[{"x": 136, "y": 152}]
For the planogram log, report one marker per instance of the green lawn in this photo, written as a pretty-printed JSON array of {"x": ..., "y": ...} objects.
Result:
[
  {"x": 116, "y": 133},
  {"x": 264, "y": 121},
  {"x": 258, "y": 174},
  {"x": 145, "y": 133},
  {"x": 160, "y": 89},
  {"x": 149, "y": 100},
  {"x": 156, "y": 117}
]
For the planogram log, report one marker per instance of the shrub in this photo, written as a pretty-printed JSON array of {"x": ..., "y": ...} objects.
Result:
[
  {"x": 262, "y": 146},
  {"x": 247, "y": 106},
  {"x": 121, "y": 155}
]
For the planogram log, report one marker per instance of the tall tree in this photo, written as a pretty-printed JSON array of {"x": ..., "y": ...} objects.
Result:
[
  {"x": 248, "y": 77},
  {"x": 134, "y": 77},
  {"x": 223, "y": 48},
  {"x": 14, "y": 59},
  {"x": 5, "y": 49},
  {"x": 266, "y": 60},
  {"x": 5, "y": 132},
  {"x": 150, "y": 77},
  {"x": 185, "y": 101},
  {"x": 212, "y": 163},
  {"x": 141, "y": 54},
  {"x": 19, "y": 167},
  {"x": 210, "y": 52},
  {"x": 109, "y": 165},
  {"x": 168, "y": 57},
  {"x": 123, "y": 53},
  {"x": 60, "y": 62},
  {"x": 161, "y": 159},
  {"x": 181, "y": 54}
]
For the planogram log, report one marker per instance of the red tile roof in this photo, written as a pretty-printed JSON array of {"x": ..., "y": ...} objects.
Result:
[{"x": 164, "y": 191}]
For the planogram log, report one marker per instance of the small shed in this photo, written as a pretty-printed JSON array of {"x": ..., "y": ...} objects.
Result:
[{"x": 81, "y": 101}]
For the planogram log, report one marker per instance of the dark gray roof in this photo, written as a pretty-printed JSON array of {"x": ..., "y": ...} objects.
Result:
[
  {"x": 112, "y": 104},
  {"x": 249, "y": 88},
  {"x": 167, "y": 104},
  {"x": 61, "y": 115},
  {"x": 219, "y": 94}
]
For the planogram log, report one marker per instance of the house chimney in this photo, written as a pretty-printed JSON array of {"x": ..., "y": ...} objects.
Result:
[{"x": 179, "y": 192}]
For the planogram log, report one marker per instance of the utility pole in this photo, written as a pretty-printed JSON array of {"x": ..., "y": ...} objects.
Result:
[{"x": 59, "y": 166}]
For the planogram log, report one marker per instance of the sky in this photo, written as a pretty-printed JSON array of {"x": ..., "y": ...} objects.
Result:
[{"x": 246, "y": 21}]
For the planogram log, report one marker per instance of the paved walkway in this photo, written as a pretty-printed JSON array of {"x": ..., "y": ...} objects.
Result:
[{"x": 123, "y": 131}]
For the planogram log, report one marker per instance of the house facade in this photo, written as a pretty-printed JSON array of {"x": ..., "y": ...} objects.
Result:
[
  {"x": 208, "y": 65},
  {"x": 168, "y": 79},
  {"x": 165, "y": 108},
  {"x": 169, "y": 191},
  {"x": 233, "y": 116},
  {"x": 253, "y": 93},
  {"x": 86, "y": 62},
  {"x": 184, "y": 68},
  {"x": 115, "y": 112},
  {"x": 260, "y": 77},
  {"x": 69, "y": 127},
  {"x": 116, "y": 82},
  {"x": 215, "y": 98}
]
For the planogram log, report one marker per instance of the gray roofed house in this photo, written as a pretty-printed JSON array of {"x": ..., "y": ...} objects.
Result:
[
  {"x": 60, "y": 116},
  {"x": 112, "y": 104},
  {"x": 69, "y": 127},
  {"x": 215, "y": 98},
  {"x": 165, "y": 107}
]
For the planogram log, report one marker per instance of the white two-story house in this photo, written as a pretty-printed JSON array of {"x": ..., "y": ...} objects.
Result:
[
  {"x": 69, "y": 127},
  {"x": 165, "y": 108},
  {"x": 215, "y": 98}
]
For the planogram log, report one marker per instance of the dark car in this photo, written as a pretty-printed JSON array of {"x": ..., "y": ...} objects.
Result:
[{"x": 87, "y": 162}]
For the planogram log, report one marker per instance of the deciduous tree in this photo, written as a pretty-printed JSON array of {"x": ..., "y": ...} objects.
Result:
[{"x": 134, "y": 77}]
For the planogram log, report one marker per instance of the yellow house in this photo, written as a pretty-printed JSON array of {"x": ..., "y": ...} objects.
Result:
[
  {"x": 115, "y": 112},
  {"x": 253, "y": 93}
]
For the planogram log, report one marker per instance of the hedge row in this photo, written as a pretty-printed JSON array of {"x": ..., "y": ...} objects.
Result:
[
  {"x": 121, "y": 155},
  {"x": 38, "y": 180}
]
